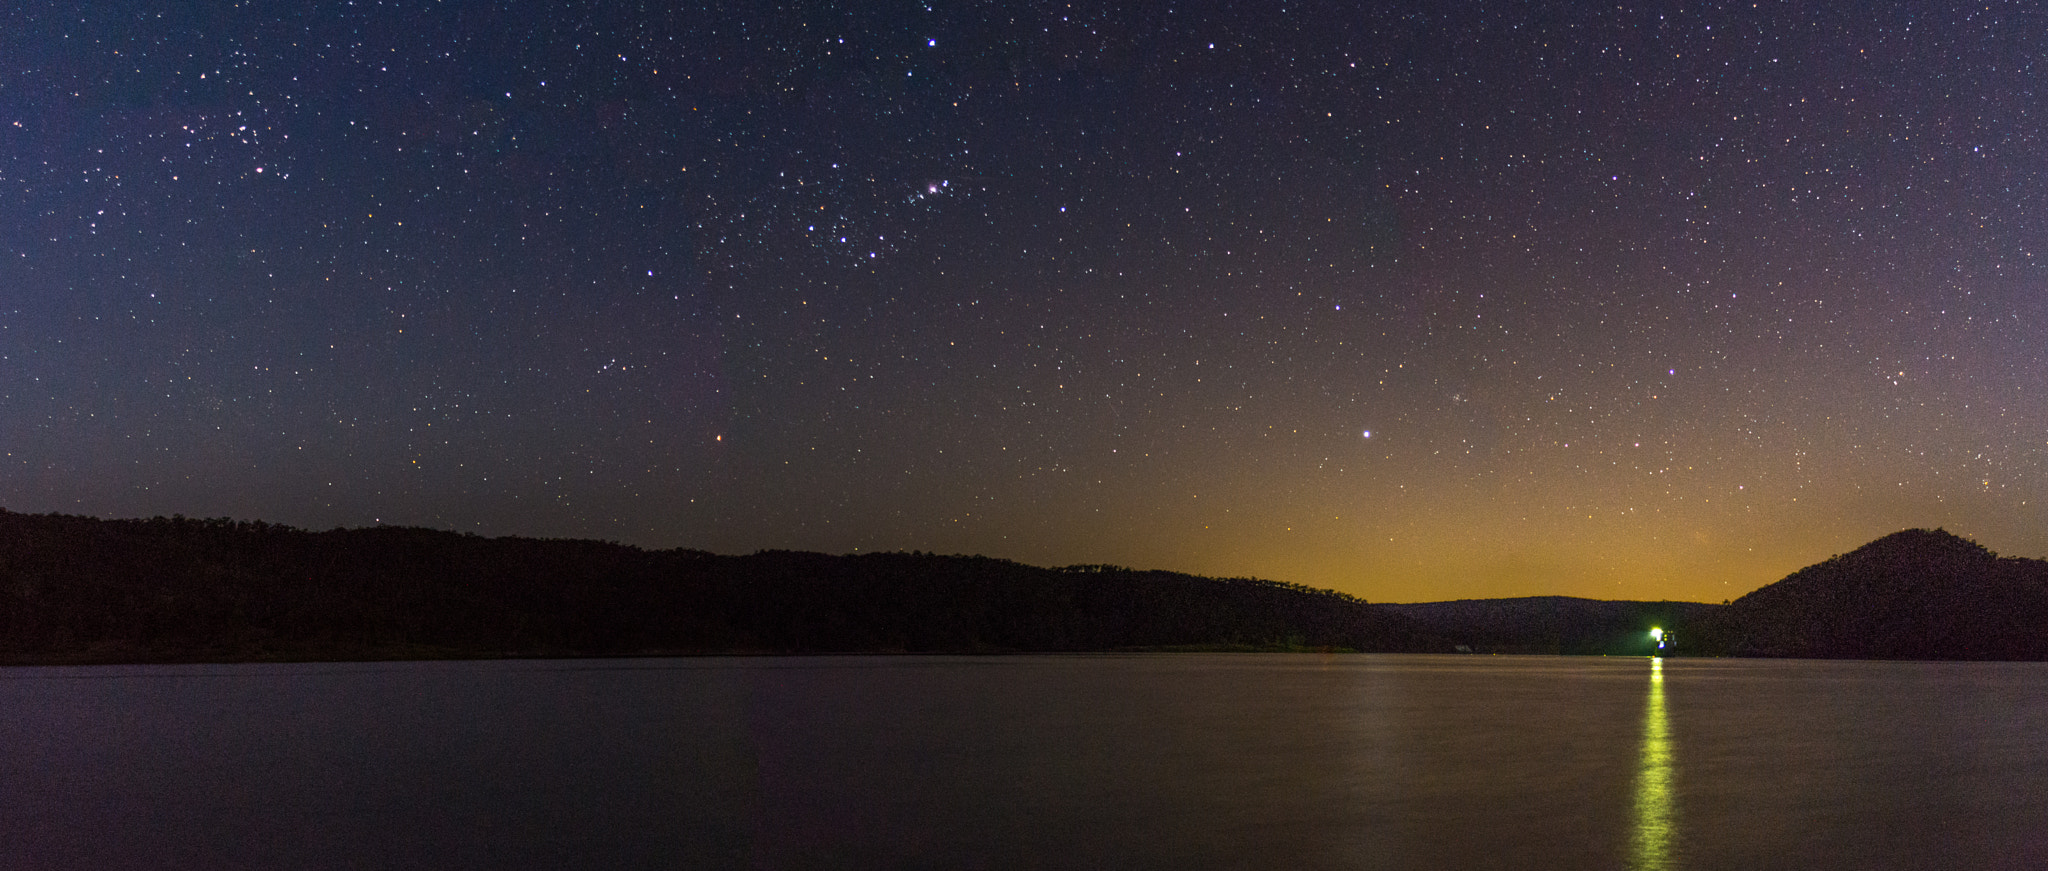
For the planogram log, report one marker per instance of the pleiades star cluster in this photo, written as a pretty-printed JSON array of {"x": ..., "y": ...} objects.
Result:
[{"x": 1415, "y": 300}]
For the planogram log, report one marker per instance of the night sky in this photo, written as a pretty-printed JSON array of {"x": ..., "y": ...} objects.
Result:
[{"x": 1417, "y": 301}]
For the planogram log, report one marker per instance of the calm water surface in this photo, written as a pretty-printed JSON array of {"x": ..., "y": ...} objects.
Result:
[{"x": 1144, "y": 761}]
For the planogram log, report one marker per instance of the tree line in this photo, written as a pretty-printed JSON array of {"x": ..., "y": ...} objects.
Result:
[{"x": 81, "y": 589}]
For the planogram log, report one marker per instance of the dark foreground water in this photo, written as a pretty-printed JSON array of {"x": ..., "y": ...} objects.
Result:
[{"x": 1149, "y": 761}]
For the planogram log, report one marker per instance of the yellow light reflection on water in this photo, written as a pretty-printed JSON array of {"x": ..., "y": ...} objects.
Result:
[{"x": 1654, "y": 826}]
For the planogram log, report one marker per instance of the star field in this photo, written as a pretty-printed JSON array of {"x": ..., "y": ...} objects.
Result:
[{"x": 1418, "y": 301}]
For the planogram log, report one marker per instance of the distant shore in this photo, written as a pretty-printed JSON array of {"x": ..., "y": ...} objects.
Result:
[{"x": 79, "y": 590}]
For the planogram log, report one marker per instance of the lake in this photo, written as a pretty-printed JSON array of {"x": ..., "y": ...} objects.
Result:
[{"x": 1166, "y": 761}]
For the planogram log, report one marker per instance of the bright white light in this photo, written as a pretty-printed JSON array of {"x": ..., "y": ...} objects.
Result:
[{"x": 1368, "y": 433}]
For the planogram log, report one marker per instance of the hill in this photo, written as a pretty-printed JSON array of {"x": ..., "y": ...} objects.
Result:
[
  {"x": 79, "y": 589},
  {"x": 1916, "y": 594},
  {"x": 1553, "y": 624}
]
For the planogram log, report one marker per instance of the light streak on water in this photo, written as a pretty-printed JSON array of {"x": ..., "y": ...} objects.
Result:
[{"x": 1655, "y": 811}]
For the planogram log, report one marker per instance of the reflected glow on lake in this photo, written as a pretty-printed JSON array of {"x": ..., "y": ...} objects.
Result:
[{"x": 1654, "y": 794}]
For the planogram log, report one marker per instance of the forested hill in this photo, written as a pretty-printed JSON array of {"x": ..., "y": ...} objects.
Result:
[
  {"x": 79, "y": 589},
  {"x": 1916, "y": 594}
]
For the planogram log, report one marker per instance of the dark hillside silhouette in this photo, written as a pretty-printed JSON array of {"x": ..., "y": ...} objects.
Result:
[
  {"x": 1917, "y": 594},
  {"x": 78, "y": 589}
]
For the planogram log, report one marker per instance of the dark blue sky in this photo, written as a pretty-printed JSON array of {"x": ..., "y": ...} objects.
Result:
[{"x": 1417, "y": 301}]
